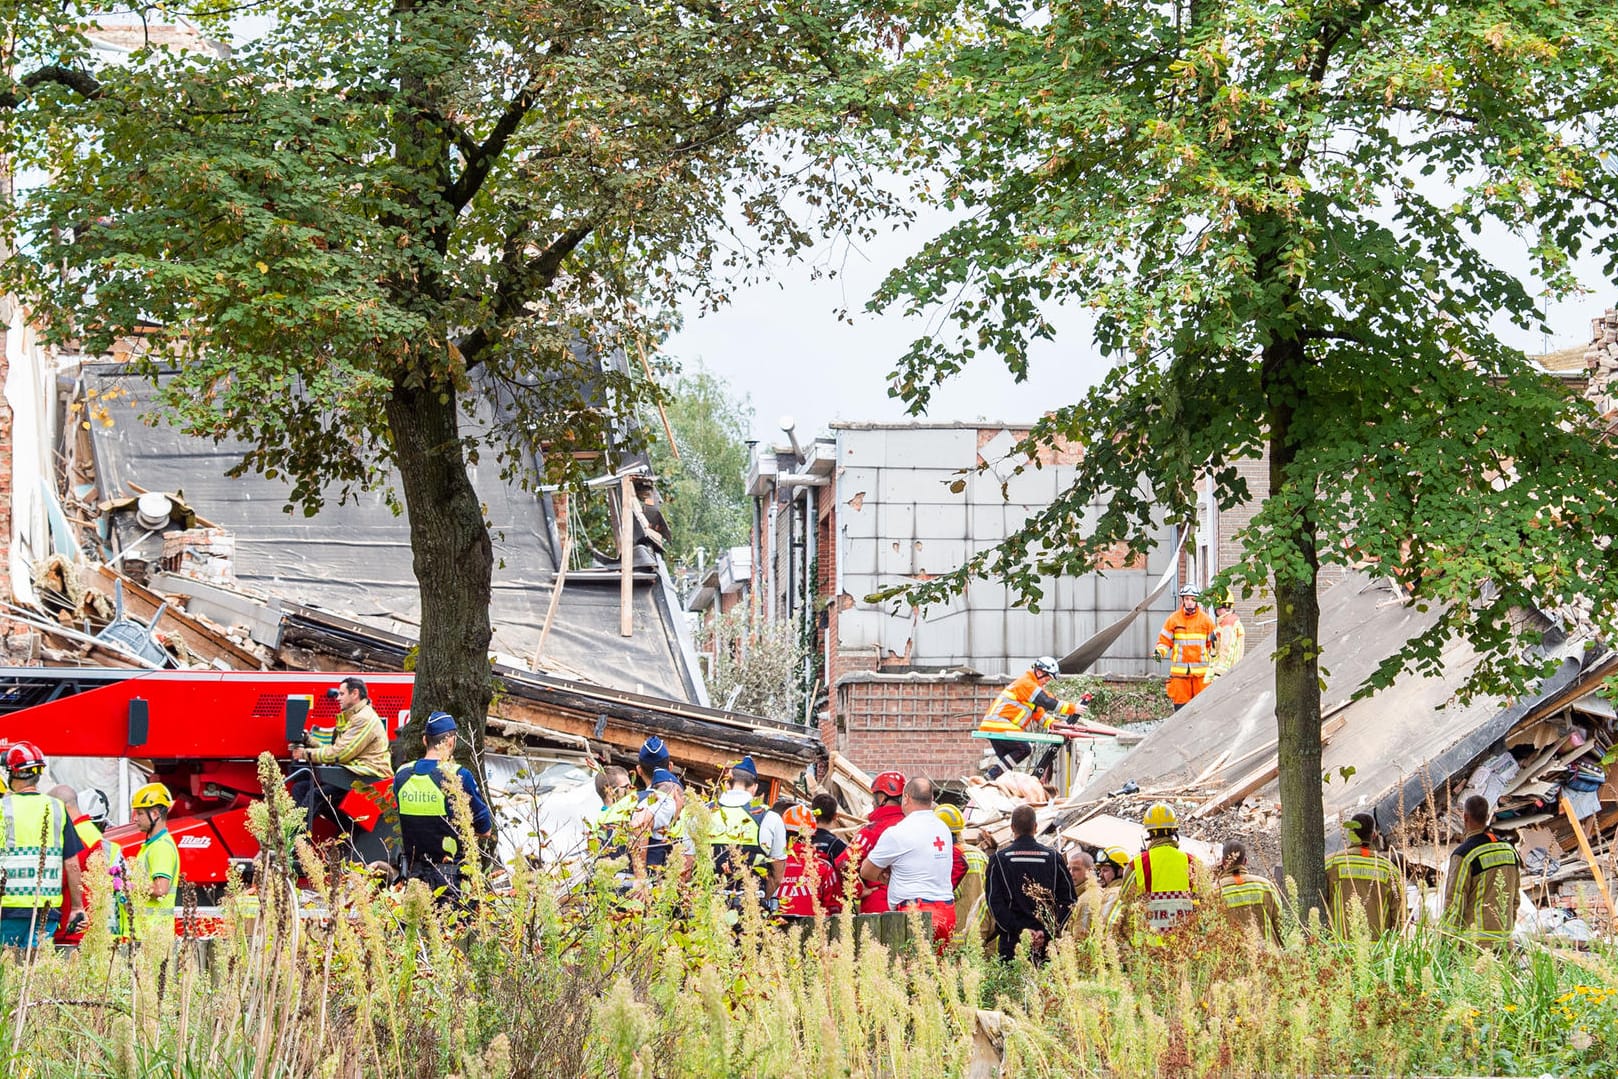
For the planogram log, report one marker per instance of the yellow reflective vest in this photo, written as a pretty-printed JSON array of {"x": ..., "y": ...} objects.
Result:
[{"x": 32, "y": 858}]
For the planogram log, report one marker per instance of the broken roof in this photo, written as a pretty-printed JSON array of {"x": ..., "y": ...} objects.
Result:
[
  {"x": 355, "y": 559},
  {"x": 1387, "y": 752}
]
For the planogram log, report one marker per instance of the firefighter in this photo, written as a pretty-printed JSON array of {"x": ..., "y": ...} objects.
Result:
[
  {"x": 432, "y": 848},
  {"x": 1484, "y": 874},
  {"x": 1358, "y": 874},
  {"x": 358, "y": 754},
  {"x": 159, "y": 860},
  {"x": 1251, "y": 901},
  {"x": 1162, "y": 879},
  {"x": 1111, "y": 865},
  {"x": 970, "y": 908},
  {"x": 1230, "y": 639},
  {"x": 1185, "y": 642},
  {"x": 40, "y": 857},
  {"x": 1024, "y": 706}
]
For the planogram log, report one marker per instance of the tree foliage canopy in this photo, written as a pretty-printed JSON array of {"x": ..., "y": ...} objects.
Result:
[
  {"x": 1296, "y": 223},
  {"x": 704, "y": 503}
]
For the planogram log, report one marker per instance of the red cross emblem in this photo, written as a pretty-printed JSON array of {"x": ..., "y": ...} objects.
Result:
[{"x": 938, "y": 843}]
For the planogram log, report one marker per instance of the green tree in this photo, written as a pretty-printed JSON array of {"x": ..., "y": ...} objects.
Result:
[
  {"x": 342, "y": 224},
  {"x": 1273, "y": 209},
  {"x": 705, "y": 503}
]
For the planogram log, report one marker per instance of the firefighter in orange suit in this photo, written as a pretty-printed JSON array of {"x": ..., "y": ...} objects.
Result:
[
  {"x": 1186, "y": 642},
  {"x": 1024, "y": 706}
]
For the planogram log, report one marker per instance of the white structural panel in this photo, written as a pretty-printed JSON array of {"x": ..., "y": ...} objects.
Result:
[{"x": 898, "y": 520}]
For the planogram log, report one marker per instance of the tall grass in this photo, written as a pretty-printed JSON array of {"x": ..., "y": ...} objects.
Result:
[{"x": 543, "y": 981}]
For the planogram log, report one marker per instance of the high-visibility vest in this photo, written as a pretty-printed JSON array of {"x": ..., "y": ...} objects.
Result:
[
  {"x": 425, "y": 826},
  {"x": 604, "y": 839},
  {"x": 1163, "y": 876},
  {"x": 32, "y": 818},
  {"x": 737, "y": 827},
  {"x": 159, "y": 852},
  {"x": 1363, "y": 874}
]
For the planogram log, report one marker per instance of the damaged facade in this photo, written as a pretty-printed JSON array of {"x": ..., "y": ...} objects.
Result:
[{"x": 873, "y": 505}]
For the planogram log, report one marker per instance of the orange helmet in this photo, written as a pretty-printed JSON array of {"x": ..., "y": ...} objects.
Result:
[{"x": 798, "y": 818}]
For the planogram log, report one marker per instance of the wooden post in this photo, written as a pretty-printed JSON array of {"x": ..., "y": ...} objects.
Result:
[
  {"x": 556, "y": 585},
  {"x": 1590, "y": 859},
  {"x": 626, "y": 556}
]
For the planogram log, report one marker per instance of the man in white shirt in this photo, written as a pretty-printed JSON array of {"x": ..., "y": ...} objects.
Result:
[{"x": 917, "y": 855}]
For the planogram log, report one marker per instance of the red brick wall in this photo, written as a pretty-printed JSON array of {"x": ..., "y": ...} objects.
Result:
[{"x": 920, "y": 727}]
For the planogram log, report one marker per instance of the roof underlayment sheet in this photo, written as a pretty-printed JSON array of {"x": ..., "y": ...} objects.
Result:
[
  {"x": 1391, "y": 749},
  {"x": 355, "y": 560}
]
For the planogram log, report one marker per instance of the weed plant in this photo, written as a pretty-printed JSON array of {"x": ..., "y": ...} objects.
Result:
[{"x": 550, "y": 979}]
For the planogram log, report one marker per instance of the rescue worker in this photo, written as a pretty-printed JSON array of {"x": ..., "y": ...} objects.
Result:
[
  {"x": 1482, "y": 881},
  {"x": 1162, "y": 879},
  {"x": 1023, "y": 707},
  {"x": 1029, "y": 888},
  {"x": 40, "y": 858},
  {"x": 970, "y": 907},
  {"x": 1087, "y": 898},
  {"x": 1185, "y": 642},
  {"x": 1251, "y": 901},
  {"x": 431, "y": 844},
  {"x": 1111, "y": 865},
  {"x": 1230, "y": 639},
  {"x": 749, "y": 842},
  {"x": 358, "y": 755},
  {"x": 887, "y": 791},
  {"x": 809, "y": 884},
  {"x": 158, "y": 883},
  {"x": 1357, "y": 874},
  {"x": 914, "y": 859},
  {"x": 70, "y": 932}
]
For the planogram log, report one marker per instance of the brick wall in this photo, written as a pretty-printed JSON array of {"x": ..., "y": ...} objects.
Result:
[{"x": 920, "y": 726}]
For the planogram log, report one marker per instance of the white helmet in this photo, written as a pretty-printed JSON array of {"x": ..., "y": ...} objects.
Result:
[
  {"x": 1189, "y": 590},
  {"x": 1047, "y": 665}
]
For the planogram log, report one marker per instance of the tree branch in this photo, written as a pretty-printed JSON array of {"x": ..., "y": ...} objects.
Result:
[
  {"x": 521, "y": 279},
  {"x": 81, "y": 82}
]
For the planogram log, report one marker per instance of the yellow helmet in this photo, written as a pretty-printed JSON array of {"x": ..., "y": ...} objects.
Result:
[
  {"x": 951, "y": 816},
  {"x": 152, "y": 796},
  {"x": 1118, "y": 856},
  {"x": 1160, "y": 818}
]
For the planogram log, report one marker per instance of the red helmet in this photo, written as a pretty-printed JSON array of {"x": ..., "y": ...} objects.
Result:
[
  {"x": 24, "y": 757},
  {"x": 891, "y": 784},
  {"x": 798, "y": 818}
]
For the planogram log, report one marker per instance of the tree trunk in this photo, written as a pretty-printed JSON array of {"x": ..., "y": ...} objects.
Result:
[
  {"x": 454, "y": 563},
  {"x": 1297, "y": 635}
]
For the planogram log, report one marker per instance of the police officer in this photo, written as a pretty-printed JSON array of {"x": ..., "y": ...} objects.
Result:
[
  {"x": 31, "y": 903},
  {"x": 427, "y": 832}
]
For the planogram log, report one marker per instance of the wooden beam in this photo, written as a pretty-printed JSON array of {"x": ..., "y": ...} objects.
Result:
[
  {"x": 205, "y": 643},
  {"x": 557, "y": 582},
  {"x": 1590, "y": 858},
  {"x": 689, "y": 743}
]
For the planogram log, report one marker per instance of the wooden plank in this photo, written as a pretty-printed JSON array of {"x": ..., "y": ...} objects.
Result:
[
  {"x": 205, "y": 643},
  {"x": 1258, "y": 778},
  {"x": 558, "y": 583},
  {"x": 1590, "y": 858}
]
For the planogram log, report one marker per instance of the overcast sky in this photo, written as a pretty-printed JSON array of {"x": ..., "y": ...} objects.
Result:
[{"x": 781, "y": 345}]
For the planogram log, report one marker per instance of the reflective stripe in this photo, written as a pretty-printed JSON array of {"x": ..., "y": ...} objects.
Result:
[
  {"x": 32, "y": 880},
  {"x": 1246, "y": 894},
  {"x": 1163, "y": 875}
]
